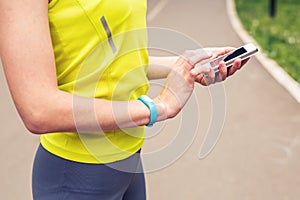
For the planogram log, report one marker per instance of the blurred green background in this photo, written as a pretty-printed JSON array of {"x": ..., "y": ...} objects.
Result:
[{"x": 279, "y": 36}]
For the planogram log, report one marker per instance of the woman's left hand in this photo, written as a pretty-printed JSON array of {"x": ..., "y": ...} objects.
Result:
[{"x": 224, "y": 72}]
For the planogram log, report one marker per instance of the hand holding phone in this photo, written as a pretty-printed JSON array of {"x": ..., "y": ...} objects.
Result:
[{"x": 242, "y": 52}]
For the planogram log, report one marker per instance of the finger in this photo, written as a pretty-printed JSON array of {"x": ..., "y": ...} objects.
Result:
[
  {"x": 222, "y": 75},
  {"x": 244, "y": 62},
  {"x": 222, "y": 51},
  {"x": 200, "y": 79},
  {"x": 235, "y": 66},
  {"x": 196, "y": 56},
  {"x": 210, "y": 79},
  {"x": 201, "y": 69},
  {"x": 229, "y": 49},
  {"x": 199, "y": 55}
]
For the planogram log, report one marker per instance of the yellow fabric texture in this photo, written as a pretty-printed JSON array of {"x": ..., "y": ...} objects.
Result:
[{"x": 99, "y": 60}]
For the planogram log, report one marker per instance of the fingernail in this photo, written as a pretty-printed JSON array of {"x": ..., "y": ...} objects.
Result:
[{"x": 194, "y": 71}]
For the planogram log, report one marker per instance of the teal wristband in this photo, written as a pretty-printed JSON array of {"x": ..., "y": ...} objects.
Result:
[{"x": 152, "y": 107}]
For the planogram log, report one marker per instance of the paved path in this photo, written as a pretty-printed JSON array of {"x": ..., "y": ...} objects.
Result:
[{"x": 256, "y": 158}]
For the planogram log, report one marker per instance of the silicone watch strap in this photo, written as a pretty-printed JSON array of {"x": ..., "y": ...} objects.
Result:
[{"x": 152, "y": 107}]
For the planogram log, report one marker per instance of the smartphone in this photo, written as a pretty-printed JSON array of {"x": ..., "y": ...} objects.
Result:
[{"x": 242, "y": 52}]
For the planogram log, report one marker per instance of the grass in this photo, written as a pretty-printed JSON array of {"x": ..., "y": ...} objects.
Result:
[{"x": 278, "y": 37}]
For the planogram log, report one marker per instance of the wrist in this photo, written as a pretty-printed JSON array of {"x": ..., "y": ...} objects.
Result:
[
  {"x": 162, "y": 110},
  {"x": 152, "y": 108}
]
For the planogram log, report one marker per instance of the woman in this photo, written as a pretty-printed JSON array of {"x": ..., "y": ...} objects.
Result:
[{"x": 78, "y": 73}]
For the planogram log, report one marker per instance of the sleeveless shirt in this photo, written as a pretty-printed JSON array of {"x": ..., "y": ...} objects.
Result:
[{"x": 100, "y": 49}]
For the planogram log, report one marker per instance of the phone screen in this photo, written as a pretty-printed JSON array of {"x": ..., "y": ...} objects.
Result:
[{"x": 235, "y": 54}]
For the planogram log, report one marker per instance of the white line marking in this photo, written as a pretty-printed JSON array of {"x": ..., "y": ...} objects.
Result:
[{"x": 156, "y": 10}]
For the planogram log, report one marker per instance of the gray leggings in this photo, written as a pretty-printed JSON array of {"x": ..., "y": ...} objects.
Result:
[{"x": 55, "y": 178}]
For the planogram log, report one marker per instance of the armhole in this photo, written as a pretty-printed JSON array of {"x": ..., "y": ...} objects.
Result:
[{"x": 51, "y": 3}]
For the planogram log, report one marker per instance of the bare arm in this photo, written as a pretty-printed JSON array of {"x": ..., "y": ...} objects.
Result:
[
  {"x": 160, "y": 67},
  {"x": 28, "y": 60}
]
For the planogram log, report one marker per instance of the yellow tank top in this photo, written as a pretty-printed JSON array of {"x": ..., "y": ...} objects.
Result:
[{"x": 100, "y": 49}]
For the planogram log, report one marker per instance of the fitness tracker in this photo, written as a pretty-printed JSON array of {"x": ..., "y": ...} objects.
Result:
[{"x": 152, "y": 107}]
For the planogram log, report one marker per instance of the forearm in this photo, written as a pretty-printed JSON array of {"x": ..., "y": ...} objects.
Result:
[
  {"x": 160, "y": 67},
  {"x": 30, "y": 68},
  {"x": 28, "y": 60},
  {"x": 64, "y": 112}
]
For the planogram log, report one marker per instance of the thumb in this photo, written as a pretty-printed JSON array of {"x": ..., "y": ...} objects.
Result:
[
  {"x": 196, "y": 56},
  {"x": 201, "y": 69}
]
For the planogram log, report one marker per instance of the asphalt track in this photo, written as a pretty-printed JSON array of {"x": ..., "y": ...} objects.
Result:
[{"x": 256, "y": 157}]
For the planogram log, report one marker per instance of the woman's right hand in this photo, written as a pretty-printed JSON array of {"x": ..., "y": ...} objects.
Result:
[{"x": 180, "y": 82}]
